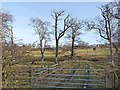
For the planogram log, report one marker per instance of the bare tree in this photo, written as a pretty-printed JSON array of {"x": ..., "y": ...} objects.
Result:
[
  {"x": 11, "y": 52},
  {"x": 7, "y": 20},
  {"x": 7, "y": 34},
  {"x": 74, "y": 33},
  {"x": 66, "y": 25},
  {"x": 106, "y": 27},
  {"x": 116, "y": 15},
  {"x": 115, "y": 7},
  {"x": 7, "y": 45},
  {"x": 41, "y": 29},
  {"x": 118, "y": 38}
]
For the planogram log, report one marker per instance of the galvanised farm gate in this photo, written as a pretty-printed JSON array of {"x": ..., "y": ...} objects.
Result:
[{"x": 59, "y": 77}]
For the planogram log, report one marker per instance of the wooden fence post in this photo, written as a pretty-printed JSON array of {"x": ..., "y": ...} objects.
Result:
[
  {"x": 32, "y": 76},
  {"x": 106, "y": 79},
  {"x": 114, "y": 81}
]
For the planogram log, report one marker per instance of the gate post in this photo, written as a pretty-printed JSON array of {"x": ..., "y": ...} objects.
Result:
[
  {"x": 114, "y": 84},
  {"x": 32, "y": 73},
  {"x": 105, "y": 79},
  {"x": 87, "y": 73},
  {"x": 48, "y": 69}
]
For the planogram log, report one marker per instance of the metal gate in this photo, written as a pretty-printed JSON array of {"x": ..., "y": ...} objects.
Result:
[{"x": 59, "y": 77}]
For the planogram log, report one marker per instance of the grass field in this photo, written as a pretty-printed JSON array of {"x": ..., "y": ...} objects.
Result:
[
  {"x": 20, "y": 73},
  {"x": 85, "y": 54}
]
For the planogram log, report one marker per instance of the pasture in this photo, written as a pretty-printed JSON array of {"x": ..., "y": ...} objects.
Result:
[{"x": 19, "y": 74}]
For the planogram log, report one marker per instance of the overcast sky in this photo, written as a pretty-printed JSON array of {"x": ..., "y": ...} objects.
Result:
[{"x": 23, "y": 11}]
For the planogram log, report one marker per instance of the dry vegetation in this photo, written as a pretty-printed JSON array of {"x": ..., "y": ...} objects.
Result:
[
  {"x": 19, "y": 74},
  {"x": 18, "y": 61}
]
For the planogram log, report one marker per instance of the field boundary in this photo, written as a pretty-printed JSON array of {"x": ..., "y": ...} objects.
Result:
[{"x": 46, "y": 79}]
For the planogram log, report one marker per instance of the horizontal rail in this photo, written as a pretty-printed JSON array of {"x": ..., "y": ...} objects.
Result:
[
  {"x": 78, "y": 87},
  {"x": 76, "y": 84},
  {"x": 37, "y": 69},
  {"x": 70, "y": 75},
  {"x": 63, "y": 83},
  {"x": 74, "y": 79},
  {"x": 40, "y": 73},
  {"x": 56, "y": 87}
]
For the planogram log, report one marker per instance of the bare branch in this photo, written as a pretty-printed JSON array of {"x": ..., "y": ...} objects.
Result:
[{"x": 41, "y": 29}]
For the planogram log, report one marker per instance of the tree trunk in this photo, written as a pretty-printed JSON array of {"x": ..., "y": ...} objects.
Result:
[
  {"x": 116, "y": 48},
  {"x": 42, "y": 56},
  {"x": 56, "y": 54},
  {"x": 110, "y": 40},
  {"x": 111, "y": 53},
  {"x": 118, "y": 45},
  {"x": 12, "y": 45},
  {"x": 42, "y": 50},
  {"x": 72, "y": 48}
]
